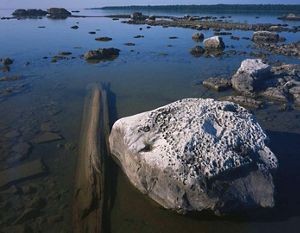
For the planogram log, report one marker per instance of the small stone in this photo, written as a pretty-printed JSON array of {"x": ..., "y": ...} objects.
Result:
[{"x": 217, "y": 83}]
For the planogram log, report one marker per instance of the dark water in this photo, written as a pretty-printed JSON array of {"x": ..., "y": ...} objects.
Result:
[{"x": 150, "y": 76}]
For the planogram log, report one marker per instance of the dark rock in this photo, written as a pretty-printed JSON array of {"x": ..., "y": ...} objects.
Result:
[
  {"x": 265, "y": 36},
  {"x": 138, "y": 36},
  {"x": 6, "y": 61},
  {"x": 102, "y": 54},
  {"x": 58, "y": 13},
  {"x": 103, "y": 39},
  {"x": 46, "y": 137},
  {"x": 246, "y": 102},
  {"x": 75, "y": 27},
  {"x": 276, "y": 94},
  {"x": 10, "y": 78},
  {"x": 28, "y": 214},
  {"x": 129, "y": 44},
  {"x": 173, "y": 37},
  {"x": 217, "y": 83},
  {"x": 29, "y": 13},
  {"x": 197, "y": 51},
  {"x": 137, "y": 16},
  {"x": 198, "y": 36},
  {"x": 92, "y": 33}
]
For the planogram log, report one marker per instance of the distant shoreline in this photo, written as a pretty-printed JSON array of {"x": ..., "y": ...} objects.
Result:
[{"x": 283, "y": 8}]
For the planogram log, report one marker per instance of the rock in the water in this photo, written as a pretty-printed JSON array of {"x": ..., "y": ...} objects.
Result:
[
  {"x": 197, "y": 51},
  {"x": 265, "y": 36},
  {"x": 58, "y": 13},
  {"x": 291, "y": 17},
  {"x": 103, "y": 39},
  {"x": 217, "y": 83},
  {"x": 198, "y": 36},
  {"x": 244, "y": 101},
  {"x": 102, "y": 54},
  {"x": 197, "y": 154},
  {"x": 214, "y": 43},
  {"x": 46, "y": 137},
  {"x": 29, "y": 13},
  {"x": 138, "y": 16},
  {"x": 6, "y": 61},
  {"x": 276, "y": 94},
  {"x": 250, "y": 75}
]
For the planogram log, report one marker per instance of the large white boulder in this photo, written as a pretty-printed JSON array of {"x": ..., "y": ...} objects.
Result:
[
  {"x": 197, "y": 154},
  {"x": 251, "y": 75},
  {"x": 214, "y": 43}
]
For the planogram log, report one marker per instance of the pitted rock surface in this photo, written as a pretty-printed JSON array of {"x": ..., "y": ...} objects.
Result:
[{"x": 171, "y": 153}]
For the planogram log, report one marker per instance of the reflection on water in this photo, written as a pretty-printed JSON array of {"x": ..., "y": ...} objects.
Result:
[{"x": 144, "y": 76}]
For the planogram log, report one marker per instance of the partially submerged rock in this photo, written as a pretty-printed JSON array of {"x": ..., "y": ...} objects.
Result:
[
  {"x": 214, "y": 43},
  {"x": 6, "y": 61},
  {"x": 265, "y": 36},
  {"x": 250, "y": 75},
  {"x": 197, "y": 154},
  {"x": 137, "y": 16},
  {"x": 291, "y": 17},
  {"x": 198, "y": 36},
  {"x": 217, "y": 83},
  {"x": 102, "y": 54},
  {"x": 58, "y": 13},
  {"x": 244, "y": 101},
  {"x": 197, "y": 51},
  {"x": 29, "y": 13},
  {"x": 103, "y": 39}
]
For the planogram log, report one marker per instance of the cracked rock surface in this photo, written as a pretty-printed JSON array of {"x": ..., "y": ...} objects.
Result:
[{"x": 197, "y": 154}]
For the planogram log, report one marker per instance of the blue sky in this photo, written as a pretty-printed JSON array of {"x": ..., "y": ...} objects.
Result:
[{"x": 99, "y": 3}]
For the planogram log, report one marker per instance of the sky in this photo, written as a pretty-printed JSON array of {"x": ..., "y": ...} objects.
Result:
[{"x": 99, "y": 3}]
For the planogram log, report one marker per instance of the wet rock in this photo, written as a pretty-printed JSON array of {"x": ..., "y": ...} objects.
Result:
[
  {"x": 129, "y": 44},
  {"x": 6, "y": 61},
  {"x": 214, "y": 43},
  {"x": 58, "y": 13},
  {"x": 92, "y": 33},
  {"x": 198, "y": 36},
  {"x": 246, "y": 102},
  {"x": 46, "y": 137},
  {"x": 65, "y": 53},
  {"x": 250, "y": 75},
  {"x": 103, "y": 39},
  {"x": 197, "y": 51},
  {"x": 10, "y": 78},
  {"x": 173, "y": 37},
  {"x": 217, "y": 83},
  {"x": 21, "y": 148},
  {"x": 138, "y": 36},
  {"x": 222, "y": 33},
  {"x": 152, "y": 17},
  {"x": 21, "y": 172},
  {"x": 17, "y": 229},
  {"x": 275, "y": 93},
  {"x": 27, "y": 214},
  {"x": 291, "y": 17},
  {"x": 292, "y": 49},
  {"x": 5, "y": 69},
  {"x": 75, "y": 27},
  {"x": 137, "y": 16},
  {"x": 265, "y": 36},
  {"x": 29, "y": 13},
  {"x": 197, "y": 154},
  {"x": 102, "y": 54}
]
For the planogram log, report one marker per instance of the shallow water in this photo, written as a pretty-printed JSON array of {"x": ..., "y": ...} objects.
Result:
[{"x": 150, "y": 76}]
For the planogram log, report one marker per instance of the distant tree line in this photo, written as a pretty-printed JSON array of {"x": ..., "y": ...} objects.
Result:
[{"x": 280, "y": 8}]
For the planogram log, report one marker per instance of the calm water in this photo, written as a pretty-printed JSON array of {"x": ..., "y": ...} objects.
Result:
[{"x": 151, "y": 75}]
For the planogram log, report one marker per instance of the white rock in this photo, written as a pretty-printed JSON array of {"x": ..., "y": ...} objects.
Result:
[
  {"x": 215, "y": 42},
  {"x": 250, "y": 75},
  {"x": 196, "y": 154}
]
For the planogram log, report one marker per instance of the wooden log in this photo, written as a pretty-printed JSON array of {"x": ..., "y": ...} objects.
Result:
[{"x": 89, "y": 183}]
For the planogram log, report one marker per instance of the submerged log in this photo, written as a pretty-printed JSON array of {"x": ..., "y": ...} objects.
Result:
[{"x": 89, "y": 183}]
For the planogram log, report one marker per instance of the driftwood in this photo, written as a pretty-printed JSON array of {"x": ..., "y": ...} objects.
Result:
[{"x": 89, "y": 183}]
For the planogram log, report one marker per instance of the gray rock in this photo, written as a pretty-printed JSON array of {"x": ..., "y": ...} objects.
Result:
[
  {"x": 6, "y": 61},
  {"x": 276, "y": 94},
  {"x": 138, "y": 16},
  {"x": 217, "y": 83},
  {"x": 214, "y": 43},
  {"x": 197, "y": 154},
  {"x": 251, "y": 74},
  {"x": 265, "y": 36}
]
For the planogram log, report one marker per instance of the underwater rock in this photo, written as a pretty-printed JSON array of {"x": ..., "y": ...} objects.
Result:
[
  {"x": 250, "y": 75},
  {"x": 197, "y": 51},
  {"x": 197, "y": 154},
  {"x": 217, "y": 83}
]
